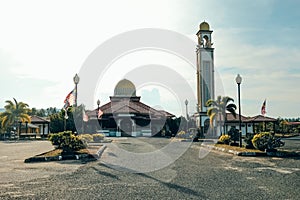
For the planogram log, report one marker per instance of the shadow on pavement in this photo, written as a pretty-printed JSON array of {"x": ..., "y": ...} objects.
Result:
[{"x": 176, "y": 187}]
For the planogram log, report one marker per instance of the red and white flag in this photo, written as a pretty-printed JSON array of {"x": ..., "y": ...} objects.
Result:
[
  {"x": 100, "y": 113},
  {"x": 85, "y": 117},
  {"x": 70, "y": 99},
  {"x": 263, "y": 108}
]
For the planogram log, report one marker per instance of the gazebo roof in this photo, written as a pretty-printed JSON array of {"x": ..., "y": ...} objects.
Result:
[
  {"x": 255, "y": 119},
  {"x": 230, "y": 118},
  {"x": 37, "y": 119}
]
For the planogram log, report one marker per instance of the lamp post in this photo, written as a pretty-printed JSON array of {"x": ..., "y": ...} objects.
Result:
[
  {"x": 98, "y": 103},
  {"x": 76, "y": 81},
  {"x": 187, "y": 115},
  {"x": 238, "y": 80}
]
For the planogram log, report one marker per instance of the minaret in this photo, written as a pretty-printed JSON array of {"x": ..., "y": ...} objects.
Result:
[{"x": 205, "y": 71}]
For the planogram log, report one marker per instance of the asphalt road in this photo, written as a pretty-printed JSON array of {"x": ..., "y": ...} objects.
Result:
[{"x": 216, "y": 176}]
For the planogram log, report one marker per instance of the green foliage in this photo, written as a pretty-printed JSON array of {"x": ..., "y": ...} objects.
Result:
[
  {"x": 234, "y": 134},
  {"x": 248, "y": 141},
  {"x": 67, "y": 141},
  {"x": 86, "y": 137},
  {"x": 218, "y": 108},
  {"x": 266, "y": 141},
  {"x": 14, "y": 111},
  {"x": 186, "y": 135},
  {"x": 224, "y": 139},
  {"x": 58, "y": 121}
]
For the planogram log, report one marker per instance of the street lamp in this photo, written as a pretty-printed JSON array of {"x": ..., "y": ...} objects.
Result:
[
  {"x": 187, "y": 116},
  {"x": 98, "y": 103},
  {"x": 238, "y": 81},
  {"x": 76, "y": 81}
]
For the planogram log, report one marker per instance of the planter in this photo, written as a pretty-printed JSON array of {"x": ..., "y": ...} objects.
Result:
[
  {"x": 235, "y": 144},
  {"x": 270, "y": 150}
]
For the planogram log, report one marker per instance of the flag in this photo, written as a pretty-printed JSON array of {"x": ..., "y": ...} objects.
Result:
[
  {"x": 70, "y": 99},
  {"x": 100, "y": 113},
  {"x": 85, "y": 117},
  {"x": 263, "y": 108}
]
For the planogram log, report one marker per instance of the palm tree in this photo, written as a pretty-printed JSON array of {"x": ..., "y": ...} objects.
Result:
[
  {"x": 219, "y": 108},
  {"x": 14, "y": 112}
]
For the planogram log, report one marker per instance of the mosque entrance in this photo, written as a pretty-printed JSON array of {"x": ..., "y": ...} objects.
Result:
[{"x": 126, "y": 127}]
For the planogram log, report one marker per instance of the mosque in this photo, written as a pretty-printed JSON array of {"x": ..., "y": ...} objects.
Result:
[{"x": 126, "y": 115}]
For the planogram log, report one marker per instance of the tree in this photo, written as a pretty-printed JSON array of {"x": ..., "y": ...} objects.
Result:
[
  {"x": 219, "y": 108},
  {"x": 14, "y": 112},
  {"x": 58, "y": 123}
]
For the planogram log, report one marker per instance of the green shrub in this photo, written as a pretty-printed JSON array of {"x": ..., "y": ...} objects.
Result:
[
  {"x": 86, "y": 137},
  {"x": 224, "y": 139},
  {"x": 98, "y": 137},
  {"x": 248, "y": 140},
  {"x": 234, "y": 134},
  {"x": 186, "y": 135},
  {"x": 67, "y": 141},
  {"x": 266, "y": 141}
]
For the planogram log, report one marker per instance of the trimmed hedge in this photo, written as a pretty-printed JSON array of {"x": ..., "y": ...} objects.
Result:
[
  {"x": 67, "y": 141},
  {"x": 224, "y": 139},
  {"x": 266, "y": 141}
]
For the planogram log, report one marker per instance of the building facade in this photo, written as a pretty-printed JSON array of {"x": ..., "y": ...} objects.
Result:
[{"x": 126, "y": 115}]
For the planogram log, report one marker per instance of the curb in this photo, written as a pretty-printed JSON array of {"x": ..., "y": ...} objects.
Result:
[
  {"x": 254, "y": 154},
  {"x": 100, "y": 151},
  {"x": 89, "y": 157}
]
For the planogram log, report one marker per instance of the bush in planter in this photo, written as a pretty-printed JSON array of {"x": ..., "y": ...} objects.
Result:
[
  {"x": 234, "y": 134},
  {"x": 224, "y": 139},
  {"x": 266, "y": 141},
  {"x": 185, "y": 135},
  {"x": 248, "y": 141},
  {"x": 67, "y": 141},
  {"x": 55, "y": 139},
  {"x": 86, "y": 137},
  {"x": 98, "y": 137}
]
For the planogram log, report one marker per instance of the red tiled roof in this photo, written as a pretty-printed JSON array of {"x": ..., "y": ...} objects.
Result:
[
  {"x": 258, "y": 118},
  {"x": 125, "y": 106},
  {"x": 261, "y": 118},
  {"x": 230, "y": 118}
]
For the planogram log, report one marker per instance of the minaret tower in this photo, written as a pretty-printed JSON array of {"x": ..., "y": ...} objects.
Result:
[{"x": 205, "y": 72}]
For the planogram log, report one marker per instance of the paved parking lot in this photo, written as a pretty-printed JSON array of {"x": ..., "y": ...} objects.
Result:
[
  {"x": 13, "y": 168},
  {"x": 215, "y": 176}
]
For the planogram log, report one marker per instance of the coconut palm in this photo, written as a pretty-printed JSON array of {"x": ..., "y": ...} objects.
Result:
[
  {"x": 14, "y": 112},
  {"x": 219, "y": 108}
]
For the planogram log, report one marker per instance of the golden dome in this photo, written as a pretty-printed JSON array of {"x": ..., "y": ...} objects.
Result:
[
  {"x": 125, "y": 88},
  {"x": 204, "y": 26}
]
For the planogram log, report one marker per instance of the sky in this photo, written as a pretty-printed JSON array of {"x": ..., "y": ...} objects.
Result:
[{"x": 43, "y": 44}]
